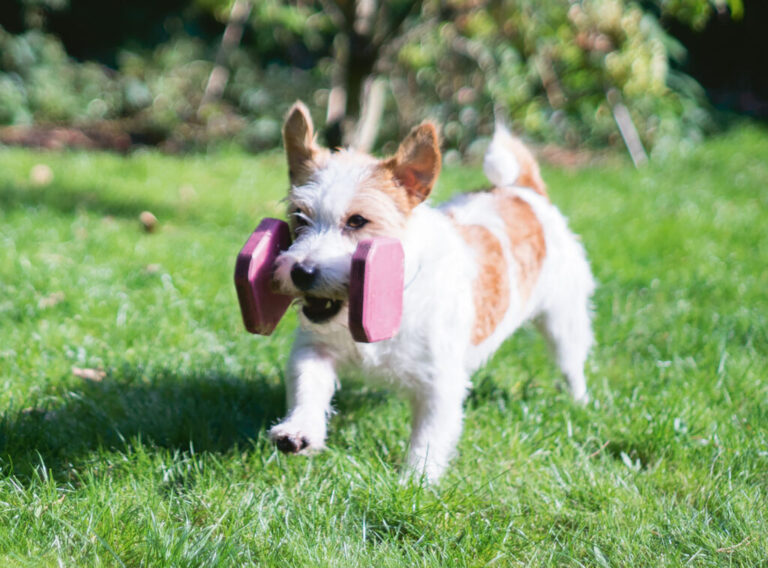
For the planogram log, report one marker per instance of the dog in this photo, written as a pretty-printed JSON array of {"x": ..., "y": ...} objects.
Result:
[{"x": 476, "y": 268}]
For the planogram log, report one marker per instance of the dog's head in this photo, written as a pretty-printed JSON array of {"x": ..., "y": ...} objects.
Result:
[{"x": 337, "y": 199}]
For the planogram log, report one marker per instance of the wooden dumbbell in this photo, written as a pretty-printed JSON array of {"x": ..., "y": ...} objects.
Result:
[{"x": 375, "y": 287}]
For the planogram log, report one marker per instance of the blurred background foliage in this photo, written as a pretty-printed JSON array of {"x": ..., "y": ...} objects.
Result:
[{"x": 544, "y": 65}]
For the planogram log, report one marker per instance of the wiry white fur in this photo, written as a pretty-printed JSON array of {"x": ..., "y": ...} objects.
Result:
[
  {"x": 325, "y": 199},
  {"x": 499, "y": 165},
  {"x": 431, "y": 358}
]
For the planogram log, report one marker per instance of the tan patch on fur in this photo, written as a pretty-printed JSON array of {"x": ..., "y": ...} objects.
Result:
[
  {"x": 303, "y": 153},
  {"x": 530, "y": 174},
  {"x": 301, "y": 170},
  {"x": 491, "y": 286},
  {"x": 383, "y": 181},
  {"x": 381, "y": 205},
  {"x": 417, "y": 163},
  {"x": 526, "y": 238}
]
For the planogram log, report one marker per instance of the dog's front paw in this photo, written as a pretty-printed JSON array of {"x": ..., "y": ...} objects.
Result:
[{"x": 292, "y": 440}]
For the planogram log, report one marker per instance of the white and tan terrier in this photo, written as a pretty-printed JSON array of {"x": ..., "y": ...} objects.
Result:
[{"x": 476, "y": 268}]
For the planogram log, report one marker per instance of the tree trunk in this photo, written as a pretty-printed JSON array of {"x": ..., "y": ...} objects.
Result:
[
  {"x": 356, "y": 56},
  {"x": 372, "y": 111},
  {"x": 233, "y": 33},
  {"x": 366, "y": 28},
  {"x": 627, "y": 128}
]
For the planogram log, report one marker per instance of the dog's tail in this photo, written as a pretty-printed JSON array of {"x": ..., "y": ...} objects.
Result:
[{"x": 509, "y": 163}]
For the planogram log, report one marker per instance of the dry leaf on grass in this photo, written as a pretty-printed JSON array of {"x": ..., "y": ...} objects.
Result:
[
  {"x": 50, "y": 300},
  {"x": 89, "y": 374},
  {"x": 148, "y": 221},
  {"x": 41, "y": 174}
]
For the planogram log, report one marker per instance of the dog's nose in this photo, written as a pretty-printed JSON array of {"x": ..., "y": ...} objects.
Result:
[{"x": 304, "y": 275}]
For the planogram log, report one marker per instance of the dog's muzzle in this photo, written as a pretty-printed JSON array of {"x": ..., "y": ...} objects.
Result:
[{"x": 320, "y": 310}]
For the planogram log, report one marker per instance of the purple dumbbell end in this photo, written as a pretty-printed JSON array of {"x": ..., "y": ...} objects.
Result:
[
  {"x": 376, "y": 289},
  {"x": 261, "y": 307}
]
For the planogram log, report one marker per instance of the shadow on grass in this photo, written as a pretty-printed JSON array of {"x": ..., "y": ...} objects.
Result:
[
  {"x": 210, "y": 412},
  {"x": 69, "y": 200}
]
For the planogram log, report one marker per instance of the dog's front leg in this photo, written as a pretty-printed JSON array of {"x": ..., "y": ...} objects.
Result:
[
  {"x": 311, "y": 380},
  {"x": 437, "y": 419}
]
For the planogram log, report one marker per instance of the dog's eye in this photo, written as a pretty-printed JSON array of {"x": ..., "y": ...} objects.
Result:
[
  {"x": 300, "y": 219},
  {"x": 356, "y": 222}
]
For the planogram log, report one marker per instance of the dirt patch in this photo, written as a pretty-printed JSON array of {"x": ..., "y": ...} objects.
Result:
[
  {"x": 116, "y": 136},
  {"x": 106, "y": 137},
  {"x": 571, "y": 158}
]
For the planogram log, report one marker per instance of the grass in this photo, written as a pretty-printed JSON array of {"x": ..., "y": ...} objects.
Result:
[{"x": 165, "y": 462}]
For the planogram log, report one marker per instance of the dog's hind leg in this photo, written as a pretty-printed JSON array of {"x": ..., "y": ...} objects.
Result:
[
  {"x": 570, "y": 338},
  {"x": 566, "y": 323}
]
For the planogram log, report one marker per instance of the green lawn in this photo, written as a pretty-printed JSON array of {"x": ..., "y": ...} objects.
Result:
[{"x": 165, "y": 461}]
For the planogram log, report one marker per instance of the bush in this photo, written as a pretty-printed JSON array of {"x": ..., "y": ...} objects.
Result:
[
  {"x": 547, "y": 65},
  {"x": 544, "y": 64},
  {"x": 154, "y": 93},
  {"x": 39, "y": 82}
]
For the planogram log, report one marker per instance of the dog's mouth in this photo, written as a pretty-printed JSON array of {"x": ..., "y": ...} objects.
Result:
[{"x": 320, "y": 310}]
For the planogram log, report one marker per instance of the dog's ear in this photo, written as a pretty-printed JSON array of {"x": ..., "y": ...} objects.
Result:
[
  {"x": 300, "y": 147},
  {"x": 416, "y": 164}
]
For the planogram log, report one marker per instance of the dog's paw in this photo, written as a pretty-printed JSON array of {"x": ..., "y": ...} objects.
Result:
[
  {"x": 291, "y": 440},
  {"x": 422, "y": 471},
  {"x": 582, "y": 397}
]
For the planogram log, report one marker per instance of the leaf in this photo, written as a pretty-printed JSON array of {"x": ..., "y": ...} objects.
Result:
[{"x": 95, "y": 375}]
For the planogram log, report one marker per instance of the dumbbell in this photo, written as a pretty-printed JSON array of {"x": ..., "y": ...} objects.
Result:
[{"x": 375, "y": 286}]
